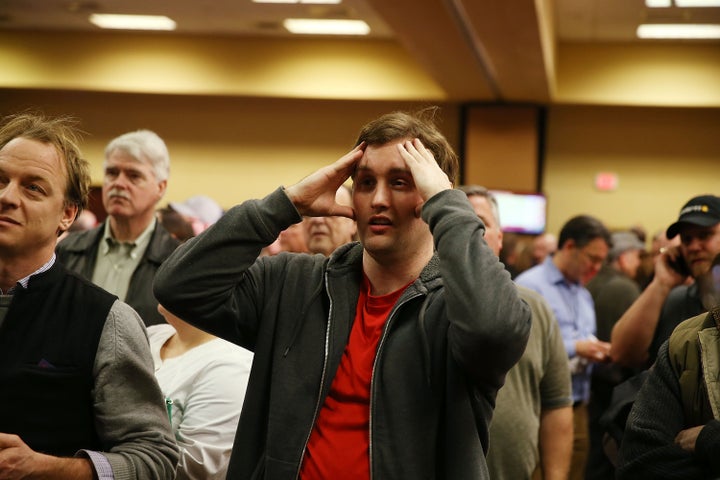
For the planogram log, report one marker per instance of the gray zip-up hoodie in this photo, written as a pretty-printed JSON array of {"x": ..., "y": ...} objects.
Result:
[{"x": 442, "y": 356}]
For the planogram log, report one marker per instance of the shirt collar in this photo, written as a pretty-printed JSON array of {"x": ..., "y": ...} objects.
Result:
[
  {"x": 23, "y": 282},
  {"x": 555, "y": 275},
  {"x": 141, "y": 241}
]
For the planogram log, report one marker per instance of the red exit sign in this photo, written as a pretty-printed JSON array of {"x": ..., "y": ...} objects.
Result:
[{"x": 606, "y": 181}]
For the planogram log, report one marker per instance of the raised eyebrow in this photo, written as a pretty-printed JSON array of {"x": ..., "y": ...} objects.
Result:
[
  {"x": 33, "y": 177},
  {"x": 396, "y": 170},
  {"x": 36, "y": 179}
]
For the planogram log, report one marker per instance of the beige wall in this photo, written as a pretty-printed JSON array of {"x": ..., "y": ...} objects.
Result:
[
  {"x": 238, "y": 148},
  {"x": 650, "y": 74},
  {"x": 662, "y": 156},
  {"x": 199, "y": 65},
  {"x": 497, "y": 136},
  {"x": 227, "y": 147}
]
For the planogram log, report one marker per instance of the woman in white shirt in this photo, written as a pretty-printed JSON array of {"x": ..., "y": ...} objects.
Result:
[{"x": 203, "y": 379}]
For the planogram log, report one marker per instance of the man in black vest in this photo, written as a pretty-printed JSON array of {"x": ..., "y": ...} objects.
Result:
[
  {"x": 79, "y": 397},
  {"x": 123, "y": 254}
]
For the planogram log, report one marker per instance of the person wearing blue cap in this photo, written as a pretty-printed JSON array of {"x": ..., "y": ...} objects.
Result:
[{"x": 669, "y": 299}]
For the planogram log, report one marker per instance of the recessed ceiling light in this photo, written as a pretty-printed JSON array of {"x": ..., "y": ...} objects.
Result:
[
  {"x": 690, "y": 31},
  {"x": 658, "y": 3},
  {"x": 697, "y": 3},
  {"x": 326, "y": 27},
  {"x": 682, "y": 3},
  {"x": 132, "y": 22}
]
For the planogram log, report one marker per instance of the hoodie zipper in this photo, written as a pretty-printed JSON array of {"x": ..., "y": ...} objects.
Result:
[
  {"x": 318, "y": 405},
  {"x": 381, "y": 343}
]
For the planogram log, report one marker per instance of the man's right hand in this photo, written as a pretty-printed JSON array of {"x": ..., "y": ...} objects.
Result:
[
  {"x": 314, "y": 195},
  {"x": 19, "y": 461},
  {"x": 665, "y": 274},
  {"x": 593, "y": 349}
]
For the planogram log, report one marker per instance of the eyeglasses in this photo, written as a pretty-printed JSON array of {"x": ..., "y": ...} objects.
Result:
[{"x": 594, "y": 259}]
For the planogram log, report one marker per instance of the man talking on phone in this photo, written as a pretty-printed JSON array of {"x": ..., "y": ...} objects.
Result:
[{"x": 670, "y": 298}]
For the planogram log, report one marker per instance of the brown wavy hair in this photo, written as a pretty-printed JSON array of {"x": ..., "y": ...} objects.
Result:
[{"x": 421, "y": 125}]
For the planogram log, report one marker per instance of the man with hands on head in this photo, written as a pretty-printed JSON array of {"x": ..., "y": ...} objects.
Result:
[{"x": 381, "y": 360}]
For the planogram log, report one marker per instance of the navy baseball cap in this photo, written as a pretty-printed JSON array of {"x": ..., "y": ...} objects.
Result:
[{"x": 703, "y": 211}]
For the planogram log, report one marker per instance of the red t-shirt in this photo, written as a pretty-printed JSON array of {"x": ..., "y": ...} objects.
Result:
[{"x": 339, "y": 443}]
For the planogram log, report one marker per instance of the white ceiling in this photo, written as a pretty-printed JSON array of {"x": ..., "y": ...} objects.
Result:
[
  {"x": 475, "y": 50},
  {"x": 575, "y": 20},
  {"x": 616, "y": 20},
  {"x": 207, "y": 17}
]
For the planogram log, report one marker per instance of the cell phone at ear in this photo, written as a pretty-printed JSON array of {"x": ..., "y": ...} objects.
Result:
[{"x": 679, "y": 265}]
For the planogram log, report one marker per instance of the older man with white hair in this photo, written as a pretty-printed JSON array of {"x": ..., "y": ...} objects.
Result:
[{"x": 123, "y": 253}]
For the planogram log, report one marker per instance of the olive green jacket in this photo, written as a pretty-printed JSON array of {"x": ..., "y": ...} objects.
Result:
[{"x": 694, "y": 349}]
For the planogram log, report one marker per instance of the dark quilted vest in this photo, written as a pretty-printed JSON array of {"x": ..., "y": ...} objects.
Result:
[{"x": 48, "y": 343}]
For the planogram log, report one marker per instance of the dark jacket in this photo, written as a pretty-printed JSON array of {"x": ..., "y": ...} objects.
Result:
[
  {"x": 682, "y": 303},
  {"x": 668, "y": 404},
  {"x": 694, "y": 349},
  {"x": 78, "y": 252},
  {"x": 47, "y": 377},
  {"x": 442, "y": 356}
]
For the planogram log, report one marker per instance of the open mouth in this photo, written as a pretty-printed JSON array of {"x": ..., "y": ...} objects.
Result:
[
  {"x": 380, "y": 221},
  {"x": 379, "y": 225}
]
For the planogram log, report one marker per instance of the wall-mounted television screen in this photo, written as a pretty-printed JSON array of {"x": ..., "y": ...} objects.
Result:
[{"x": 522, "y": 212}]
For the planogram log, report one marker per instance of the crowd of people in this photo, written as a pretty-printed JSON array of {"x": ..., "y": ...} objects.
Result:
[{"x": 371, "y": 320}]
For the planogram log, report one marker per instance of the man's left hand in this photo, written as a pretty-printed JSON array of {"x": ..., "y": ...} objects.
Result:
[
  {"x": 429, "y": 178},
  {"x": 686, "y": 438}
]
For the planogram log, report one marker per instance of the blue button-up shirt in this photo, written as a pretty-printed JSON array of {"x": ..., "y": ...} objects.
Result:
[{"x": 575, "y": 312}]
